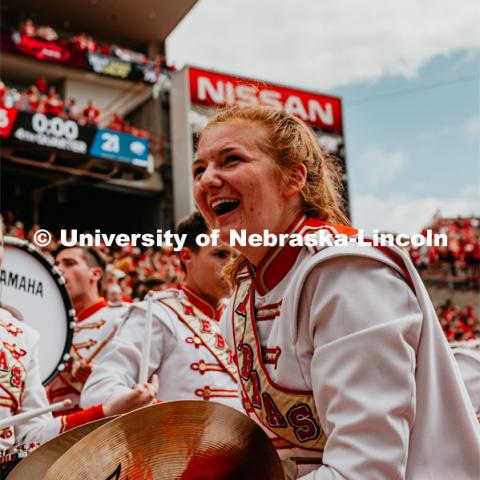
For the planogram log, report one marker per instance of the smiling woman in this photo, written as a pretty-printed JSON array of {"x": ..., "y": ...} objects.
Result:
[
  {"x": 338, "y": 349},
  {"x": 238, "y": 148}
]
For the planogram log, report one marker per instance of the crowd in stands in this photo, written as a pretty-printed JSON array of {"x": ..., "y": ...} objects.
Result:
[
  {"x": 131, "y": 272},
  {"x": 459, "y": 261},
  {"x": 43, "y": 98},
  {"x": 84, "y": 42},
  {"x": 457, "y": 323}
]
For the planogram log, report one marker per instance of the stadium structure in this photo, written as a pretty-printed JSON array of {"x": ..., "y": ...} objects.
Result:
[{"x": 98, "y": 131}]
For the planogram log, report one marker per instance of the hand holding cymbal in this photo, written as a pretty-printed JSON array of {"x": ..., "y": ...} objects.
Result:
[{"x": 140, "y": 396}]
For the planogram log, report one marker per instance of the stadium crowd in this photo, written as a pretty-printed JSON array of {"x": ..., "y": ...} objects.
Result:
[
  {"x": 459, "y": 261},
  {"x": 84, "y": 42},
  {"x": 131, "y": 272},
  {"x": 457, "y": 323},
  {"x": 43, "y": 98}
]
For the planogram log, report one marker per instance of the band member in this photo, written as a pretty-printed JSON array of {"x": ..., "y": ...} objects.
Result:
[
  {"x": 96, "y": 323},
  {"x": 21, "y": 389},
  {"x": 187, "y": 350},
  {"x": 339, "y": 352}
]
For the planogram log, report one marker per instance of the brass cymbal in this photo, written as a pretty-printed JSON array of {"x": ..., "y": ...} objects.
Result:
[
  {"x": 35, "y": 465},
  {"x": 181, "y": 440}
]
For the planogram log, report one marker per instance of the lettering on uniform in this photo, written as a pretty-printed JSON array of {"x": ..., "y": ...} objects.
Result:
[
  {"x": 22, "y": 283},
  {"x": 205, "y": 326},
  {"x": 247, "y": 373},
  {"x": 304, "y": 426},
  {"x": 17, "y": 377},
  {"x": 220, "y": 341},
  {"x": 256, "y": 398},
  {"x": 247, "y": 361},
  {"x": 3, "y": 361},
  {"x": 274, "y": 417},
  {"x": 15, "y": 372},
  {"x": 242, "y": 307}
]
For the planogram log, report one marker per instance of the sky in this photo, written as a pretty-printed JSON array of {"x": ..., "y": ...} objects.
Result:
[{"x": 408, "y": 74}]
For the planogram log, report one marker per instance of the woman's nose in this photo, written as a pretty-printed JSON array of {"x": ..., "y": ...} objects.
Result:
[{"x": 210, "y": 177}]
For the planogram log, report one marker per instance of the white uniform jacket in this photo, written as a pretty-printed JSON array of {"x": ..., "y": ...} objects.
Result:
[
  {"x": 188, "y": 354},
  {"x": 21, "y": 388},
  {"x": 93, "y": 326},
  {"x": 345, "y": 355},
  {"x": 467, "y": 355}
]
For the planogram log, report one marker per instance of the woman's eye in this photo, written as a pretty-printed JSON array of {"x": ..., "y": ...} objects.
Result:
[{"x": 231, "y": 158}]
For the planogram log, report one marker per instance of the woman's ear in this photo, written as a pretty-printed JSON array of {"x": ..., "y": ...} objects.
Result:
[{"x": 296, "y": 179}]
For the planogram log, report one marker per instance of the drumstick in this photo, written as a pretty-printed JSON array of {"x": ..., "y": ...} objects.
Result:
[
  {"x": 147, "y": 338},
  {"x": 23, "y": 417},
  {"x": 115, "y": 327}
]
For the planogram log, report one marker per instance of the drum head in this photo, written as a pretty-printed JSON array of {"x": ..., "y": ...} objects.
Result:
[{"x": 35, "y": 291}]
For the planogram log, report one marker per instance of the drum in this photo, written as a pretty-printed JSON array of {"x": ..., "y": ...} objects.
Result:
[
  {"x": 11, "y": 457},
  {"x": 33, "y": 290}
]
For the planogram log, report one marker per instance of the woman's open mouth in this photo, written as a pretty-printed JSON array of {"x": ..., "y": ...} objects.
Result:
[{"x": 224, "y": 206}]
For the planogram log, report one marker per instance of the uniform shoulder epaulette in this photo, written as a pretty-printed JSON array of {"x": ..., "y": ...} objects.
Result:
[
  {"x": 244, "y": 273},
  {"x": 170, "y": 292},
  {"x": 118, "y": 304}
]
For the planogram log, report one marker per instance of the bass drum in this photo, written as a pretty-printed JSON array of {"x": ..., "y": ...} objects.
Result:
[{"x": 33, "y": 290}]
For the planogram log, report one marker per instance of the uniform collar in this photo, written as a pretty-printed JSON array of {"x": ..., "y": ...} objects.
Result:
[
  {"x": 278, "y": 261},
  {"x": 202, "y": 305},
  {"x": 87, "y": 312}
]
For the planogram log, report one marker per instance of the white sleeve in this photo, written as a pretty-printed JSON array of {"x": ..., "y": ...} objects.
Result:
[
  {"x": 117, "y": 370},
  {"x": 363, "y": 326},
  {"x": 226, "y": 325},
  {"x": 43, "y": 427},
  {"x": 469, "y": 364}
]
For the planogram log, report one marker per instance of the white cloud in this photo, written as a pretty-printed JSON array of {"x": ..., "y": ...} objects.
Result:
[
  {"x": 380, "y": 167},
  {"x": 472, "y": 126},
  {"x": 407, "y": 215},
  {"x": 321, "y": 44}
]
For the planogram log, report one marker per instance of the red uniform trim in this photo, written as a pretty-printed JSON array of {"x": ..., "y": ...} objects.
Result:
[
  {"x": 258, "y": 349},
  {"x": 395, "y": 257},
  {"x": 202, "y": 305},
  {"x": 200, "y": 340},
  {"x": 83, "y": 416},
  {"x": 278, "y": 261},
  {"x": 84, "y": 314}
]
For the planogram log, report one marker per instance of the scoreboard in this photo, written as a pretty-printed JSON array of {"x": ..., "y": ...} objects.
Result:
[{"x": 69, "y": 136}]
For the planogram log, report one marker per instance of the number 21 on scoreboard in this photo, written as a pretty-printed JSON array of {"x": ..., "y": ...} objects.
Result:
[{"x": 110, "y": 142}]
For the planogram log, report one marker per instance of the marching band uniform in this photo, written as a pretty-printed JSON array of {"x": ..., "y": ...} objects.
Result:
[
  {"x": 188, "y": 353},
  {"x": 346, "y": 368},
  {"x": 93, "y": 326},
  {"x": 467, "y": 355},
  {"x": 21, "y": 389}
]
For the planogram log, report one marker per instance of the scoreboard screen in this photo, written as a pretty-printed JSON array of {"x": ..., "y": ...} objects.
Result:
[{"x": 69, "y": 136}]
